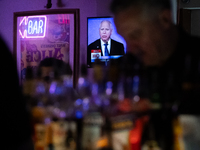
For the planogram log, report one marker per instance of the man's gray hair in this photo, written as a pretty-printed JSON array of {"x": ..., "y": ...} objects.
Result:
[{"x": 106, "y": 21}]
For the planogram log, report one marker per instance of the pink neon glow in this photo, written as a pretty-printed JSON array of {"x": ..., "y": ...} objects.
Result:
[
  {"x": 24, "y": 34},
  {"x": 45, "y": 18},
  {"x": 68, "y": 20},
  {"x": 61, "y": 17},
  {"x": 20, "y": 32},
  {"x": 22, "y": 21}
]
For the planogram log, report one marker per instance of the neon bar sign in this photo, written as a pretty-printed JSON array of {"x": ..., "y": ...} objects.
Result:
[{"x": 33, "y": 27}]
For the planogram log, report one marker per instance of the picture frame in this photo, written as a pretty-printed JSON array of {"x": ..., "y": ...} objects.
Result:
[{"x": 46, "y": 33}]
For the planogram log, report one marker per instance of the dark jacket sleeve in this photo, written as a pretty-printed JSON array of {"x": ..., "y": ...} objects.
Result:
[
  {"x": 15, "y": 119},
  {"x": 117, "y": 48}
]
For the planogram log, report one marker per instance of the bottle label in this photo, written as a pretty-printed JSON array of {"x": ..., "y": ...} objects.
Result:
[
  {"x": 152, "y": 145},
  {"x": 39, "y": 136},
  {"x": 178, "y": 135},
  {"x": 64, "y": 135},
  {"x": 121, "y": 126},
  {"x": 92, "y": 131}
]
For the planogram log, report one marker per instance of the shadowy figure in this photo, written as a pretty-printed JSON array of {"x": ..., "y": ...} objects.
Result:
[{"x": 15, "y": 119}]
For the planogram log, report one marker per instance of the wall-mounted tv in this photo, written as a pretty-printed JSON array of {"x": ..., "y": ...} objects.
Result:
[{"x": 103, "y": 41}]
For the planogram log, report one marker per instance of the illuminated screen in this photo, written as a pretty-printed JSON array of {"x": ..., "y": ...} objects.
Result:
[{"x": 95, "y": 46}]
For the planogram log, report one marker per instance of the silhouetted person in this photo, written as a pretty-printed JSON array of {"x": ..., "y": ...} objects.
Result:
[
  {"x": 15, "y": 119},
  {"x": 52, "y": 68},
  {"x": 169, "y": 58}
]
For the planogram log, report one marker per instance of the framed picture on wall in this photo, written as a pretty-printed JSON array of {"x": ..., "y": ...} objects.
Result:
[{"x": 46, "y": 33}]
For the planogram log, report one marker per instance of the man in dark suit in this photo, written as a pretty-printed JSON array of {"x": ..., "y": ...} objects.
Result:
[{"x": 105, "y": 45}]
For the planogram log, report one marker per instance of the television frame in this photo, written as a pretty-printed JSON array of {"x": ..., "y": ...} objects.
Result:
[{"x": 93, "y": 29}]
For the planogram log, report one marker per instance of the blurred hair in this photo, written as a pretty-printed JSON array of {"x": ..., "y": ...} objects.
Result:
[
  {"x": 59, "y": 67},
  {"x": 148, "y": 6}
]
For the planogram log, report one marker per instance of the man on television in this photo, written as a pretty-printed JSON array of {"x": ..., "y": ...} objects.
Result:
[{"x": 104, "y": 46}]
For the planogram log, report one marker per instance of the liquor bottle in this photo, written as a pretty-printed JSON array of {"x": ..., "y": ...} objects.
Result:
[
  {"x": 111, "y": 92},
  {"x": 34, "y": 92},
  {"x": 64, "y": 125},
  {"x": 39, "y": 135},
  {"x": 178, "y": 135},
  {"x": 109, "y": 108},
  {"x": 68, "y": 95},
  {"x": 29, "y": 87},
  {"x": 122, "y": 118},
  {"x": 129, "y": 83},
  {"x": 82, "y": 103},
  {"x": 105, "y": 140},
  {"x": 84, "y": 92},
  {"x": 72, "y": 139},
  {"x": 93, "y": 120},
  {"x": 158, "y": 131},
  {"x": 188, "y": 109},
  {"x": 153, "y": 128}
]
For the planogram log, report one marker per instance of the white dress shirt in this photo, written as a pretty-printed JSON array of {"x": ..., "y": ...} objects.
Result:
[{"x": 103, "y": 46}]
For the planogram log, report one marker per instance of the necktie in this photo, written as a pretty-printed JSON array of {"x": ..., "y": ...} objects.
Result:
[{"x": 106, "y": 50}]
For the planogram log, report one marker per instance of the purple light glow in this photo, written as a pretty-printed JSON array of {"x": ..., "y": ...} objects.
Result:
[
  {"x": 62, "y": 114},
  {"x": 52, "y": 88},
  {"x": 33, "y": 27},
  {"x": 78, "y": 102}
]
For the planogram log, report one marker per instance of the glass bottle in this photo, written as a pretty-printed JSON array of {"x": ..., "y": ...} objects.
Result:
[{"x": 93, "y": 120}]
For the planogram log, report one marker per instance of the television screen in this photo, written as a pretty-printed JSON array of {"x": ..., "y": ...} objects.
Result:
[{"x": 101, "y": 31}]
